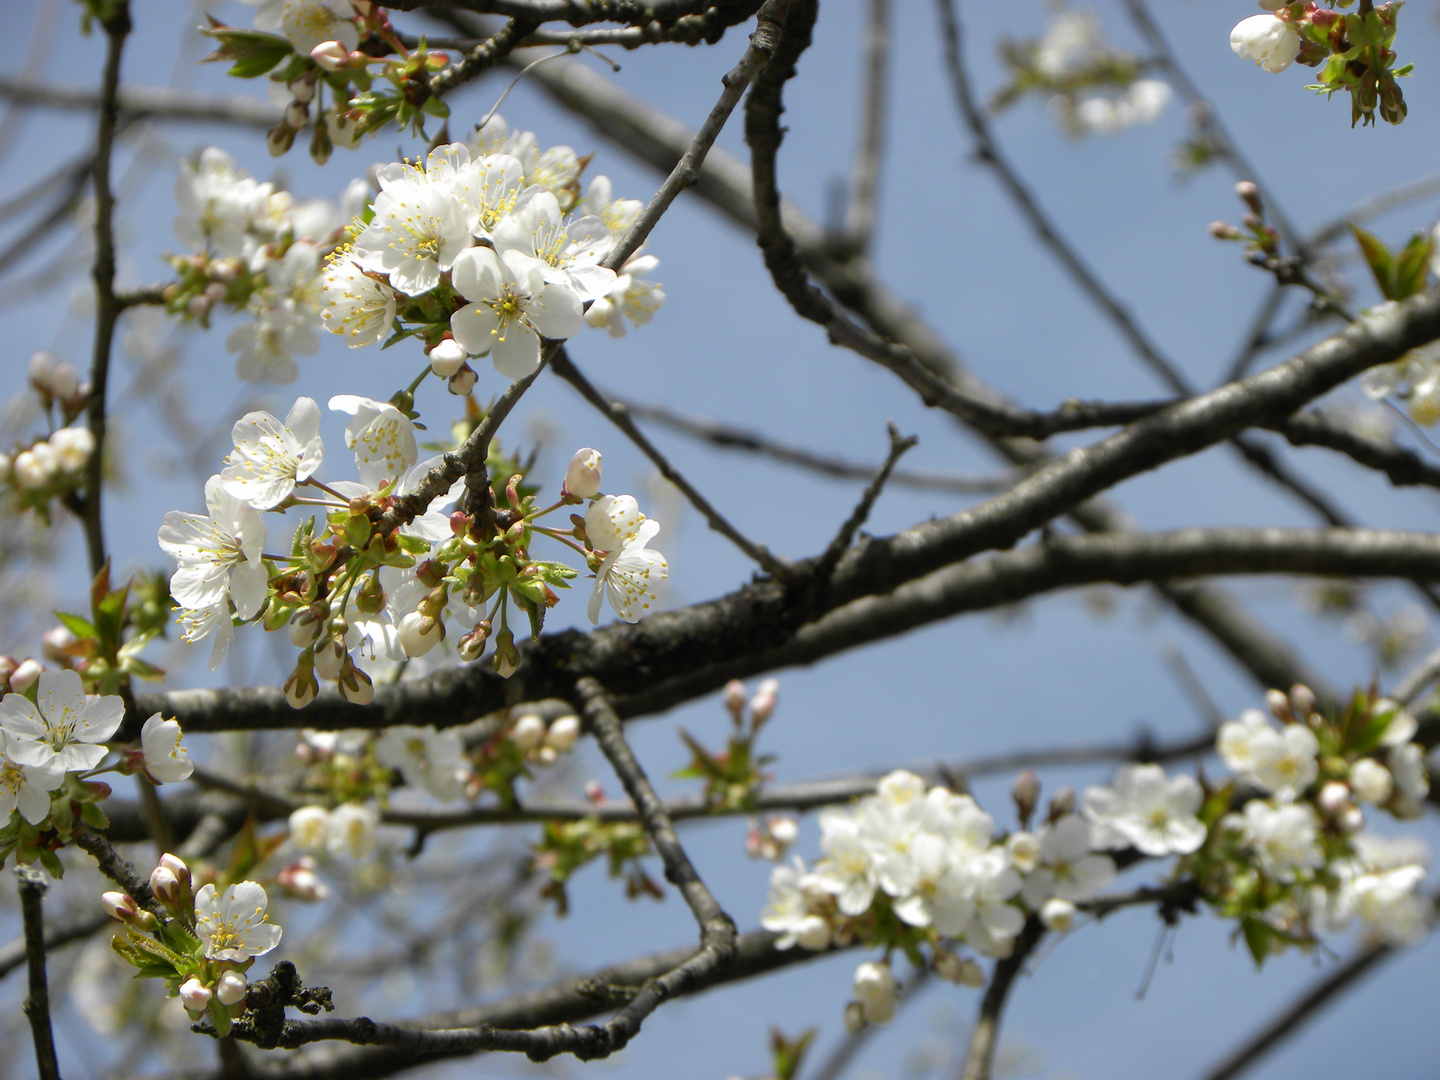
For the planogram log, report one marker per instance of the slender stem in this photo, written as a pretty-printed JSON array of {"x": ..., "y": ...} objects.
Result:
[
  {"x": 616, "y": 414},
  {"x": 865, "y": 176},
  {"x": 107, "y": 306},
  {"x": 37, "y": 1001},
  {"x": 985, "y": 1035},
  {"x": 687, "y": 170}
]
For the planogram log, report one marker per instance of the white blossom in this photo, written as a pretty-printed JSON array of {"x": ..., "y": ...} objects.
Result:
[
  {"x": 270, "y": 458},
  {"x": 351, "y": 830},
  {"x": 568, "y": 253},
  {"x": 235, "y": 926},
  {"x": 1147, "y": 810},
  {"x": 433, "y": 760},
  {"x": 382, "y": 437},
  {"x": 166, "y": 759},
  {"x": 63, "y": 728},
  {"x": 511, "y": 307},
  {"x": 219, "y": 555},
  {"x": 27, "y": 787},
  {"x": 357, "y": 306},
  {"x": 1285, "y": 838},
  {"x": 417, "y": 232},
  {"x": 1272, "y": 42}
]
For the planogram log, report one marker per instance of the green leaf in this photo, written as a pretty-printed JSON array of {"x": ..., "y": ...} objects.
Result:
[
  {"x": 1378, "y": 258},
  {"x": 1411, "y": 267},
  {"x": 1258, "y": 936},
  {"x": 75, "y": 624},
  {"x": 435, "y": 106},
  {"x": 52, "y": 864},
  {"x": 252, "y": 67}
]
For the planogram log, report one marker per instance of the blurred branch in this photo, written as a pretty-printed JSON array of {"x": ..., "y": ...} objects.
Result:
[
  {"x": 107, "y": 310},
  {"x": 865, "y": 175},
  {"x": 37, "y": 1001},
  {"x": 985, "y": 1035},
  {"x": 736, "y": 438},
  {"x": 136, "y": 102},
  {"x": 1301, "y": 1011},
  {"x": 616, "y": 414},
  {"x": 1402, "y": 465},
  {"x": 656, "y": 138}
]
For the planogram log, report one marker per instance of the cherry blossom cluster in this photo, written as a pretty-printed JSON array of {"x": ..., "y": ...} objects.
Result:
[
  {"x": 202, "y": 945},
  {"x": 350, "y": 586},
  {"x": 1303, "y": 861},
  {"x": 52, "y": 742},
  {"x": 1092, "y": 87},
  {"x": 1282, "y": 848},
  {"x": 1352, "y": 50},
  {"x": 45, "y": 467},
  {"x": 255, "y": 248},
  {"x": 355, "y": 772},
  {"x": 482, "y": 250},
  {"x": 912, "y": 868},
  {"x": 314, "y": 49}
]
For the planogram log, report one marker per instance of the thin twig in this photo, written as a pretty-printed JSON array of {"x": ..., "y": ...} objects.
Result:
[
  {"x": 107, "y": 310},
  {"x": 37, "y": 1001},
  {"x": 687, "y": 170},
  {"x": 985, "y": 1035},
  {"x": 736, "y": 438},
  {"x": 1301, "y": 1011},
  {"x": 616, "y": 413},
  {"x": 837, "y": 547},
  {"x": 865, "y": 175}
]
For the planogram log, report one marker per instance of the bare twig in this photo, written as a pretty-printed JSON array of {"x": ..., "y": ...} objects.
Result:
[
  {"x": 37, "y": 1001},
  {"x": 837, "y": 547},
  {"x": 985, "y": 1035},
  {"x": 865, "y": 176},
  {"x": 617, "y": 415},
  {"x": 145, "y": 102},
  {"x": 1301, "y": 1011},
  {"x": 736, "y": 438},
  {"x": 107, "y": 309},
  {"x": 687, "y": 170}
]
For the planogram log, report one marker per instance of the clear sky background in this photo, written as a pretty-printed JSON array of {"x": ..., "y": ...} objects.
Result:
[{"x": 725, "y": 346}]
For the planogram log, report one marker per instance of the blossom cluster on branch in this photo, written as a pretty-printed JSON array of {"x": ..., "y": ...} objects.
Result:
[{"x": 1282, "y": 849}]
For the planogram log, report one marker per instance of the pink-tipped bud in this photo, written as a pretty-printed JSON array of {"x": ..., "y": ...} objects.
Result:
[
  {"x": 176, "y": 866},
  {"x": 165, "y": 885},
  {"x": 734, "y": 698},
  {"x": 447, "y": 358},
  {"x": 1223, "y": 230},
  {"x": 1250, "y": 195},
  {"x": 55, "y": 641},
  {"x": 119, "y": 906},
  {"x": 582, "y": 477},
  {"x": 300, "y": 880},
  {"x": 594, "y": 792}
]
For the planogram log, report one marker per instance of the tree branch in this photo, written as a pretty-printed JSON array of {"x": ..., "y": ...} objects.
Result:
[{"x": 37, "y": 1001}]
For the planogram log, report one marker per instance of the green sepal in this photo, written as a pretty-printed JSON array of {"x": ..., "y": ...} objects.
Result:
[
  {"x": 221, "y": 1017},
  {"x": 436, "y": 107},
  {"x": 51, "y": 861}
]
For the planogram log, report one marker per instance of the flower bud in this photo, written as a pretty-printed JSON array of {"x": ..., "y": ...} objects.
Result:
[
  {"x": 1279, "y": 706},
  {"x": 582, "y": 477},
  {"x": 1058, "y": 915},
  {"x": 25, "y": 674},
  {"x": 300, "y": 880},
  {"x": 528, "y": 732},
  {"x": 1334, "y": 798},
  {"x": 447, "y": 358},
  {"x": 1026, "y": 793},
  {"x": 304, "y": 91},
  {"x": 877, "y": 990},
  {"x": 330, "y": 657},
  {"x": 1062, "y": 803},
  {"x": 1249, "y": 194},
  {"x": 463, "y": 381},
  {"x": 472, "y": 644},
  {"x": 231, "y": 988},
  {"x": 563, "y": 734},
  {"x": 419, "y": 633},
  {"x": 165, "y": 885},
  {"x": 784, "y": 830},
  {"x": 330, "y": 55},
  {"x": 55, "y": 641},
  {"x": 763, "y": 703},
  {"x": 507, "y": 657},
  {"x": 1372, "y": 781},
  {"x": 119, "y": 906},
  {"x": 354, "y": 685},
  {"x": 279, "y": 139},
  {"x": 1303, "y": 699},
  {"x": 854, "y": 1018},
  {"x": 195, "y": 996},
  {"x": 734, "y": 698},
  {"x": 301, "y": 688},
  {"x": 296, "y": 114}
]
